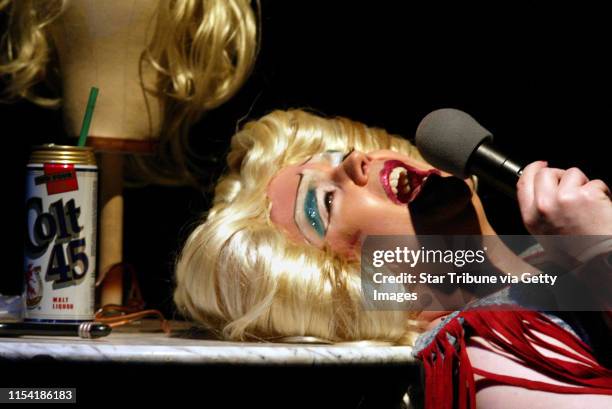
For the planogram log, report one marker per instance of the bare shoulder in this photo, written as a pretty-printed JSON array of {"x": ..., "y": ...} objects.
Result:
[{"x": 487, "y": 357}]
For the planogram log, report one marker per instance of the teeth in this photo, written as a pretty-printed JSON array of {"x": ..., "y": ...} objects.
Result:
[
  {"x": 394, "y": 178},
  {"x": 395, "y": 173}
]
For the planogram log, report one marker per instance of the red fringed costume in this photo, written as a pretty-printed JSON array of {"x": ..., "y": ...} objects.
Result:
[{"x": 449, "y": 375}]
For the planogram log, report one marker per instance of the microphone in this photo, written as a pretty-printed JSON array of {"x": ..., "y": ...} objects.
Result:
[{"x": 453, "y": 141}]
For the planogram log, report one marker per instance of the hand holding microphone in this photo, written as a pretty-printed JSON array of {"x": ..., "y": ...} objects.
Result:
[
  {"x": 565, "y": 202},
  {"x": 552, "y": 201},
  {"x": 557, "y": 201}
]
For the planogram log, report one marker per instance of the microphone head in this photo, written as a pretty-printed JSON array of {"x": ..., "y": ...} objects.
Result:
[{"x": 447, "y": 138}]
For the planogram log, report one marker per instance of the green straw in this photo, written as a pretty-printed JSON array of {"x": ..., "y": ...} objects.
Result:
[{"x": 91, "y": 104}]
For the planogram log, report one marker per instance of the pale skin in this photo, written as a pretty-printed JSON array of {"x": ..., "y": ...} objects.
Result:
[{"x": 552, "y": 201}]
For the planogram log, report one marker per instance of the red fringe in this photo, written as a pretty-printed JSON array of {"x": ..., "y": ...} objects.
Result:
[{"x": 513, "y": 332}]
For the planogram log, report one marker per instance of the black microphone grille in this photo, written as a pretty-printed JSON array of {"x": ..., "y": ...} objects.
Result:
[{"x": 447, "y": 137}]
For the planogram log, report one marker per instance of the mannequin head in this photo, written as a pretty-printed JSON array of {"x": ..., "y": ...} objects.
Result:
[
  {"x": 159, "y": 64},
  {"x": 249, "y": 269}
]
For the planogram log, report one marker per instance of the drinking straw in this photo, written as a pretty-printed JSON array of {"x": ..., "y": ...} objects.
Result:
[{"x": 91, "y": 103}]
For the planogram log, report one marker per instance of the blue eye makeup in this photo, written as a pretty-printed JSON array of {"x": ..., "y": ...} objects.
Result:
[
  {"x": 316, "y": 195},
  {"x": 311, "y": 209}
]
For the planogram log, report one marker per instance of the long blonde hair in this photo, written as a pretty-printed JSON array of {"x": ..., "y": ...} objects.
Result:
[
  {"x": 202, "y": 50},
  {"x": 240, "y": 275}
]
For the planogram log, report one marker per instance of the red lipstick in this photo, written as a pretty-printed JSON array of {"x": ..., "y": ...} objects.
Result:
[{"x": 402, "y": 182}]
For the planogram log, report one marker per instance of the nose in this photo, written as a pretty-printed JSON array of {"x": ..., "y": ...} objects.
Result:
[{"x": 356, "y": 166}]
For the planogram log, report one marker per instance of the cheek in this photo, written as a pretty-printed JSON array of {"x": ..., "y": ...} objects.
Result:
[
  {"x": 392, "y": 221},
  {"x": 367, "y": 215},
  {"x": 378, "y": 215},
  {"x": 345, "y": 243}
]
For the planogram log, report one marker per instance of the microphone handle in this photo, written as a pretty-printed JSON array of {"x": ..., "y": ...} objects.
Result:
[{"x": 495, "y": 168}]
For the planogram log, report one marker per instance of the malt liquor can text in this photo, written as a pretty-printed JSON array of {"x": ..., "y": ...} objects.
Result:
[{"x": 61, "y": 224}]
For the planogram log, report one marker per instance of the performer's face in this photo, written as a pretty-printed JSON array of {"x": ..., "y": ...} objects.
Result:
[{"x": 339, "y": 198}]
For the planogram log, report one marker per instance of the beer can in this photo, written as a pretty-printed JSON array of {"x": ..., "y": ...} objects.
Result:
[{"x": 60, "y": 248}]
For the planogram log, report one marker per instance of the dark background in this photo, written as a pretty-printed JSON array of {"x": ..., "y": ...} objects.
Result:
[{"x": 537, "y": 78}]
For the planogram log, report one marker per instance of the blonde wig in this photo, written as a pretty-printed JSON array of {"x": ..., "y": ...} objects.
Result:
[
  {"x": 238, "y": 274},
  {"x": 202, "y": 50}
]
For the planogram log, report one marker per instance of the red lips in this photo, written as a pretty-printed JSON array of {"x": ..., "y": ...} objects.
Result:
[{"x": 415, "y": 180}]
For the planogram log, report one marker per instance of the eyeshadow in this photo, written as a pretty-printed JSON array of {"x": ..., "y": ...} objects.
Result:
[
  {"x": 312, "y": 212},
  {"x": 310, "y": 202}
]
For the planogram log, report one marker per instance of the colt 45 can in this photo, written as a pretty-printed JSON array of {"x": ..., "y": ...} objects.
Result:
[{"x": 60, "y": 247}]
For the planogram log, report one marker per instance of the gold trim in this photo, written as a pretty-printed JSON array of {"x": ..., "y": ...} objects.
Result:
[{"x": 51, "y": 153}]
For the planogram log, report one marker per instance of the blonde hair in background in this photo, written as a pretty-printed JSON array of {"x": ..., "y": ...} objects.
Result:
[
  {"x": 25, "y": 48},
  {"x": 238, "y": 274},
  {"x": 202, "y": 50}
]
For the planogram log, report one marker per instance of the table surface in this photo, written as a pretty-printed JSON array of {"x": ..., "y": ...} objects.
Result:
[{"x": 144, "y": 342}]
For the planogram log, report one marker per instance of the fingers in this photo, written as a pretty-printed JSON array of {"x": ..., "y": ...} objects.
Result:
[
  {"x": 555, "y": 200},
  {"x": 525, "y": 188},
  {"x": 597, "y": 187},
  {"x": 545, "y": 189},
  {"x": 540, "y": 188},
  {"x": 572, "y": 179}
]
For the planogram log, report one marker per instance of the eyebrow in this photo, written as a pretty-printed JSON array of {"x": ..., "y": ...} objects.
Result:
[
  {"x": 297, "y": 194},
  {"x": 325, "y": 151},
  {"x": 307, "y": 160}
]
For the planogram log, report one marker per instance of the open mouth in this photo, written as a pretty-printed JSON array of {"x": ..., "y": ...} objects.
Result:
[{"x": 402, "y": 182}]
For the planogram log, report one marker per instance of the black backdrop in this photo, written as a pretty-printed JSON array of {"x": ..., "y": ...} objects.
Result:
[{"x": 538, "y": 78}]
